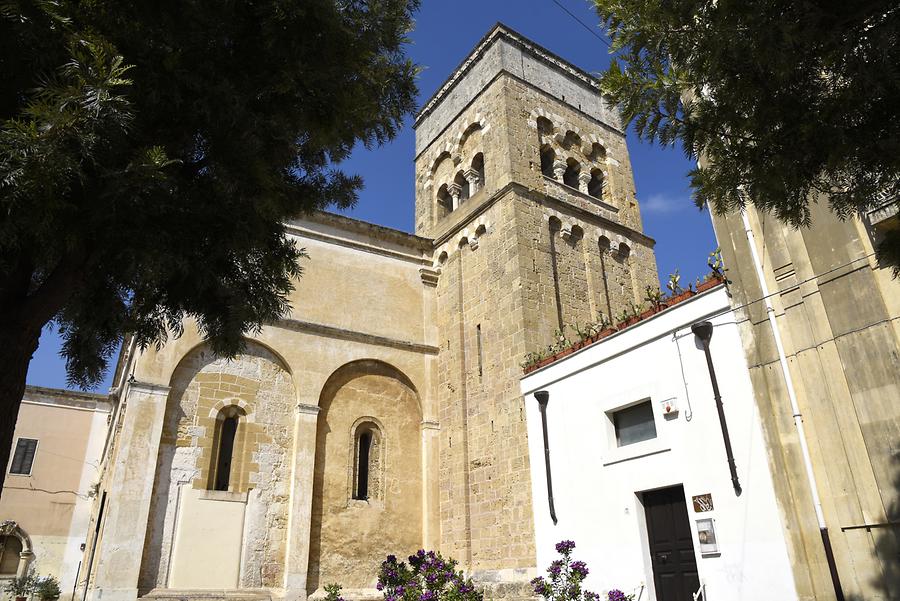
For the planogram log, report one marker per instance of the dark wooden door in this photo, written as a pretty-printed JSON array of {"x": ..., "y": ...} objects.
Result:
[{"x": 671, "y": 546}]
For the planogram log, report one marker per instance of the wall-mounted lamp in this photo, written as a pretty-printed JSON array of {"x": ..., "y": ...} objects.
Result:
[{"x": 543, "y": 397}]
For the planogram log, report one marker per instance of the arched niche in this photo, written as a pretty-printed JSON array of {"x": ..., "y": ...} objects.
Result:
[
  {"x": 350, "y": 536},
  {"x": 257, "y": 388},
  {"x": 16, "y": 551}
]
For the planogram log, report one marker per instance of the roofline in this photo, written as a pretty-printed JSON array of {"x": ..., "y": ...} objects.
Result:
[
  {"x": 363, "y": 227},
  {"x": 501, "y": 29}
]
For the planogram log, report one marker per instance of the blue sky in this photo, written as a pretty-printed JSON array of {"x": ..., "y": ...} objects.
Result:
[{"x": 445, "y": 32}]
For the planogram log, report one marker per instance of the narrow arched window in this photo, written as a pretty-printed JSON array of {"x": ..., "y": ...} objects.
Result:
[
  {"x": 461, "y": 181},
  {"x": 225, "y": 437},
  {"x": 367, "y": 462},
  {"x": 362, "y": 472},
  {"x": 478, "y": 168},
  {"x": 595, "y": 186},
  {"x": 548, "y": 156},
  {"x": 445, "y": 201},
  {"x": 570, "y": 177}
]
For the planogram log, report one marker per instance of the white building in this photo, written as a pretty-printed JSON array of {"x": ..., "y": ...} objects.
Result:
[{"x": 640, "y": 476}]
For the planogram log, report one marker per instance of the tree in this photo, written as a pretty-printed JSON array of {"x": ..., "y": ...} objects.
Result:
[
  {"x": 783, "y": 103},
  {"x": 150, "y": 152}
]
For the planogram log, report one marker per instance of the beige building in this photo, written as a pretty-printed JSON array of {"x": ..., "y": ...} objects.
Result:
[
  {"x": 837, "y": 314},
  {"x": 48, "y": 492},
  {"x": 384, "y": 413}
]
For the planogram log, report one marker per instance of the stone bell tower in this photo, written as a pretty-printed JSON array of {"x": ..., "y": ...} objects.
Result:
[{"x": 523, "y": 181}]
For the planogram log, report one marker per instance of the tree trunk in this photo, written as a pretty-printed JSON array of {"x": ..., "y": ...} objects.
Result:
[{"x": 17, "y": 346}]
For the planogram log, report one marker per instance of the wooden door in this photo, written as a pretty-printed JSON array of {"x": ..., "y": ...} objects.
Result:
[{"x": 671, "y": 547}]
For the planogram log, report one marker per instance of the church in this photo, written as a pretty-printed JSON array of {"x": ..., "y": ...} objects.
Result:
[{"x": 384, "y": 413}]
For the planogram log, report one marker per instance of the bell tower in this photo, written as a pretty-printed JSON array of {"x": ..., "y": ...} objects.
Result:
[{"x": 524, "y": 183}]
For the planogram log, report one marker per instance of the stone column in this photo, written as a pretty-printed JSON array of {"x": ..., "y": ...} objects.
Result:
[
  {"x": 455, "y": 191},
  {"x": 584, "y": 178},
  {"x": 474, "y": 178},
  {"x": 128, "y": 493},
  {"x": 299, "y": 523},
  {"x": 431, "y": 490},
  {"x": 559, "y": 169}
]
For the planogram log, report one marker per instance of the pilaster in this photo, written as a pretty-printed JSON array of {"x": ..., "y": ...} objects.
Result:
[
  {"x": 304, "y": 459},
  {"x": 129, "y": 493}
]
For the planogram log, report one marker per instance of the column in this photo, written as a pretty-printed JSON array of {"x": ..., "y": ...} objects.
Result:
[
  {"x": 128, "y": 493},
  {"x": 559, "y": 169},
  {"x": 300, "y": 517},
  {"x": 455, "y": 191},
  {"x": 474, "y": 178},
  {"x": 584, "y": 178}
]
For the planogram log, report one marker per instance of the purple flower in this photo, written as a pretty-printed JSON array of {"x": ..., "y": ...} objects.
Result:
[
  {"x": 565, "y": 546},
  {"x": 616, "y": 595},
  {"x": 379, "y": 586},
  {"x": 580, "y": 568},
  {"x": 427, "y": 596},
  {"x": 392, "y": 558},
  {"x": 555, "y": 568}
]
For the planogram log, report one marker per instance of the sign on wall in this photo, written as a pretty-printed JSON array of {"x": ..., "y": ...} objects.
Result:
[{"x": 702, "y": 503}]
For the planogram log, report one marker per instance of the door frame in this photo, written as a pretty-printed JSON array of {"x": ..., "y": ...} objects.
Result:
[{"x": 640, "y": 515}]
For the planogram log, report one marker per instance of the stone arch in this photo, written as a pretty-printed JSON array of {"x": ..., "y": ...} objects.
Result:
[
  {"x": 444, "y": 202},
  {"x": 570, "y": 140},
  {"x": 11, "y": 529},
  {"x": 257, "y": 383},
  {"x": 349, "y": 537},
  {"x": 596, "y": 183},
  {"x": 469, "y": 137}
]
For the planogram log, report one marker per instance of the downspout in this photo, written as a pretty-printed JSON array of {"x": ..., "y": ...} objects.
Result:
[
  {"x": 795, "y": 409},
  {"x": 703, "y": 331},
  {"x": 543, "y": 397}
]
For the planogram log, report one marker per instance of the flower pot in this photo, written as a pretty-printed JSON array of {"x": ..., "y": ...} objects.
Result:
[
  {"x": 710, "y": 283},
  {"x": 21, "y": 598},
  {"x": 684, "y": 295}
]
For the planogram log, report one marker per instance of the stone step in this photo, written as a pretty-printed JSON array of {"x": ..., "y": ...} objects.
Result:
[{"x": 168, "y": 594}]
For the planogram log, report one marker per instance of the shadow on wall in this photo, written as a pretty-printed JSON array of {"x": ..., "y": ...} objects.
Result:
[{"x": 887, "y": 547}]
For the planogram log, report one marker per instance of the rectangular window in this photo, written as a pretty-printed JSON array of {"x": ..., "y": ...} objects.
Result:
[
  {"x": 23, "y": 458},
  {"x": 634, "y": 424}
]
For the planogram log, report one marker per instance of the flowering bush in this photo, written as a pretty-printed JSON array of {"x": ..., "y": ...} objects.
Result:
[
  {"x": 428, "y": 577},
  {"x": 566, "y": 577}
]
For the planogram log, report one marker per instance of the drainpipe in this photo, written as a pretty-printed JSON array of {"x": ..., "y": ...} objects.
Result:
[
  {"x": 704, "y": 331},
  {"x": 543, "y": 397},
  {"x": 795, "y": 409}
]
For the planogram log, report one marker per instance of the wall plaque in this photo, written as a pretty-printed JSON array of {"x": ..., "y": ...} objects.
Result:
[{"x": 702, "y": 503}]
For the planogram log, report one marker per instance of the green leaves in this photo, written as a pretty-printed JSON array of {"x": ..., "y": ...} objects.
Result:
[
  {"x": 782, "y": 102},
  {"x": 150, "y": 153}
]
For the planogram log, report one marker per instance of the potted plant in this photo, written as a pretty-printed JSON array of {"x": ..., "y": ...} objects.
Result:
[
  {"x": 47, "y": 588},
  {"x": 20, "y": 588}
]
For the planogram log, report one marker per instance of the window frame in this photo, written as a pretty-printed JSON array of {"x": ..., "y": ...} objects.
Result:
[
  {"x": 615, "y": 454},
  {"x": 12, "y": 459},
  {"x": 616, "y": 413}
]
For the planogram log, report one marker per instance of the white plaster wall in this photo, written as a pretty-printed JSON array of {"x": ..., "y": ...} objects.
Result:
[
  {"x": 70, "y": 567},
  {"x": 595, "y": 483}
]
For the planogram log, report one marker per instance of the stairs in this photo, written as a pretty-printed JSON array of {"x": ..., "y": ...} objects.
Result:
[{"x": 166, "y": 594}]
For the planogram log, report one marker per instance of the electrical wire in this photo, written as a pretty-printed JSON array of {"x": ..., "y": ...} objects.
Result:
[{"x": 582, "y": 23}]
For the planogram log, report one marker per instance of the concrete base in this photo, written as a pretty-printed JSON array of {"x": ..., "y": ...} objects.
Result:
[{"x": 167, "y": 594}]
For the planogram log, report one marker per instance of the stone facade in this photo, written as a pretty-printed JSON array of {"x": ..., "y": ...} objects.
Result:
[
  {"x": 838, "y": 313},
  {"x": 414, "y": 341}
]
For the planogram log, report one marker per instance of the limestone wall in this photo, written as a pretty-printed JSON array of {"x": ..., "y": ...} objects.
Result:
[
  {"x": 201, "y": 386},
  {"x": 839, "y": 318},
  {"x": 350, "y": 537}
]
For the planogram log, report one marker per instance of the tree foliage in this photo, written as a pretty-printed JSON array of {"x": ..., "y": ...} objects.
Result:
[
  {"x": 785, "y": 103},
  {"x": 150, "y": 151}
]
